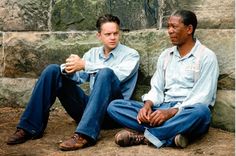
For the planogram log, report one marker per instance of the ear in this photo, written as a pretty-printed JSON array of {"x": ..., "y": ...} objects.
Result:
[
  {"x": 190, "y": 29},
  {"x": 98, "y": 35}
]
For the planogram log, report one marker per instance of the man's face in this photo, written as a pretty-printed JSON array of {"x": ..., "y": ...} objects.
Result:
[
  {"x": 178, "y": 32},
  {"x": 109, "y": 35}
]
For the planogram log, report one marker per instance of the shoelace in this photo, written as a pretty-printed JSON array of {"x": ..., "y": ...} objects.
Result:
[
  {"x": 136, "y": 138},
  {"x": 77, "y": 137}
]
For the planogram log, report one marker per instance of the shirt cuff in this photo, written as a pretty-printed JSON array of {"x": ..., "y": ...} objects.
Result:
[
  {"x": 147, "y": 97},
  {"x": 62, "y": 67}
]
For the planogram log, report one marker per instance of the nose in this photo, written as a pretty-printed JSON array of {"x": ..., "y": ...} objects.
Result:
[
  {"x": 112, "y": 36},
  {"x": 170, "y": 30}
]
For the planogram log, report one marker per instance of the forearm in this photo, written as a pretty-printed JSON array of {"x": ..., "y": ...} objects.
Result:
[{"x": 148, "y": 104}]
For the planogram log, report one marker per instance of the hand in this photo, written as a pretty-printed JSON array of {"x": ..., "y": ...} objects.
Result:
[
  {"x": 74, "y": 63},
  {"x": 160, "y": 116},
  {"x": 144, "y": 113}
]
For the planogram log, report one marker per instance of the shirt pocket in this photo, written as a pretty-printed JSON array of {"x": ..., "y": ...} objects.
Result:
[{"x": 187, "y": 72}]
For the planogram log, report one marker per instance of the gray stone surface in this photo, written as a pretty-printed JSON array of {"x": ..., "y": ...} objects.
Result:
[
  {"x": 60, "y": 15},
  {"x": 139, "y": 14},
  {"x": 24, "y": 15},
  {"x": 15, "y": 92},
  {"x": 222, "y": 42},
  {"x": 82, "y": 15},
  {"x": 223, "y": 114},
  {"x": 76, "y": 15},
  {"x": 210, "y": 13},
  {"x": 27, "y": 54}
]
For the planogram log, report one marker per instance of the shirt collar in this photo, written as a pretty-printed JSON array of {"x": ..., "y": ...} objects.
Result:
[
  {"x": 192, "y": 52},
  {"x": 114, "y": 52},
  {"x": 194, "y": 49}
]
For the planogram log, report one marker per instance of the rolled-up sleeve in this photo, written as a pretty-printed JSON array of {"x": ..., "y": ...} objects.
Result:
[
  {"x": 79, "y": 77},
  {"x": 123, "y": 67}
]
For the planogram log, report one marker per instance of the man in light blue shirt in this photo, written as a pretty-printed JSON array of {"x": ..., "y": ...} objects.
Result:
[
  {"x": 183, "y": 88},
  {"x": 112, "y": 73}
]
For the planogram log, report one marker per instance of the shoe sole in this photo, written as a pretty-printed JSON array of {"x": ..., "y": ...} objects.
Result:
[{"x": 181, "y": 141}]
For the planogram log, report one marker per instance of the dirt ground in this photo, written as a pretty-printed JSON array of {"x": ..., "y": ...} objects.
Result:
[{"x": 61, "y": 126}]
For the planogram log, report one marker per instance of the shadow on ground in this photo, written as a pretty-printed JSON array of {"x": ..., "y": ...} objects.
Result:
[{"x": 61, "y": 127}]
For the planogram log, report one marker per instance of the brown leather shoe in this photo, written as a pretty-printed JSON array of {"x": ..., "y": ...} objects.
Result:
[
  {"x": 20, "y": 136},
  {"x": 129, "y": 137},
  {"x": 74, "y": 143}
]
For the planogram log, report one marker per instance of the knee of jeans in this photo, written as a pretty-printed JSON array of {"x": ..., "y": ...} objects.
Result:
[
  {"x": 52, "y": 68},
  {"x": 112, "y": 107},
  {"x": 202, "y": 111},
  {"x": 105, "y": 73}
]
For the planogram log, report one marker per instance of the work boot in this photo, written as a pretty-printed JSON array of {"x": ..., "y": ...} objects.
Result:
[
  {"x": 129, "y": 138},
  {"x": 74, "y": 143},
  {"x": 20, "y": 136}
]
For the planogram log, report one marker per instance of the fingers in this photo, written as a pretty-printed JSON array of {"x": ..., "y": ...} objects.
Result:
[
  {"x": 73, "y": 55},
  {"x": 156, "y": 118},
  {"x": 69, "y": 69},
  {"x": 139, "y": 121},
  {"x": 72, "y": 58},
  {"x": 70, "y": 65},
  {"x": 143, "y": 115}
]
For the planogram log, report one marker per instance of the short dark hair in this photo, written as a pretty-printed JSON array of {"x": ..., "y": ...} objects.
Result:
[
  {"x": 189, "y": 18},
  {"x": 106, "y": 18}
]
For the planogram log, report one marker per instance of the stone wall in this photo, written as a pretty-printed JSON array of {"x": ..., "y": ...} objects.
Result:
[{"x": 35, "y": 33}]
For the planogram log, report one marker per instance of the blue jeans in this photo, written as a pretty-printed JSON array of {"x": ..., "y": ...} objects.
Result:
[
  {"x": 88, "y": 111},
  {"x": 193, "y": 121}
]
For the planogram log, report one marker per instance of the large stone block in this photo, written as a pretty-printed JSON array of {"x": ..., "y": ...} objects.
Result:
[
  {"x": 76, "y": 14},
  {"x": 139, "y": 14},
  {"x": 82, "y": 14},
  {"x": 15, "y": 92},
  {"x": 223, "y": 113},
  {"x": 222, "y": 43},
  {"x": 24, "y": 15},
  {"x": 210, "y": 13},
  {"x": 27, "y": 54}
]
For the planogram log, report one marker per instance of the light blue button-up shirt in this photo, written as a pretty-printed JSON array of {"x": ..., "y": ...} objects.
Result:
[
  {"x": 177, "y": 82},
  {"x": 124, "y": 61}
]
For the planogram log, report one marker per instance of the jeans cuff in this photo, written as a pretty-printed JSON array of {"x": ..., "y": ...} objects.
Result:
[{"x": 154, "y": 140}]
